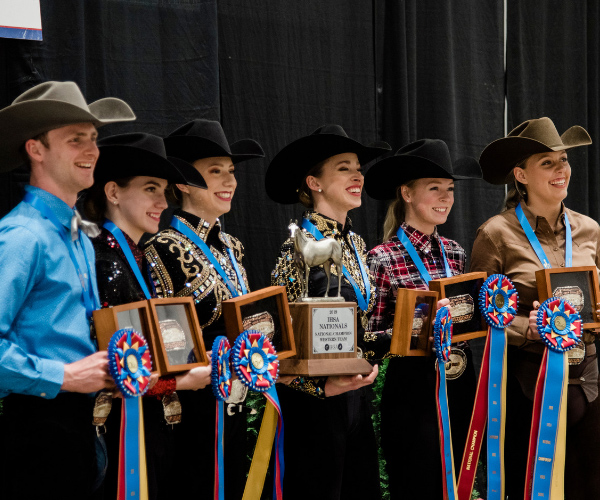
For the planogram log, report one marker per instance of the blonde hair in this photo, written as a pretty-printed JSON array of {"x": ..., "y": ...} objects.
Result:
[
  {"x": 517, "y": 192},
  {"x": 396, "y": 213}
]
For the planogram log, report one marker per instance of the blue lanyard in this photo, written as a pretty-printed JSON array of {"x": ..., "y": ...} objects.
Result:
[
  {"x": 203, "y": 247},
  {"x": 90, "y": 300},
  {"x": 417, "y": 261},
  {"x": 535, "y": 243},
  {"x": 363, "y": 301},
  {"x": 120, "y": 237}
]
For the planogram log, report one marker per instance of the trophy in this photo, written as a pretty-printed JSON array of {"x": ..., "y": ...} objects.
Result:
[{"x": 324, "y": 327}]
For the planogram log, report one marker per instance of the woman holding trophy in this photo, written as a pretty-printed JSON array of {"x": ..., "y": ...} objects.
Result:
[
  {"x": 330, "y": 445},
  {"x": 420, "y": 179},
  {"x": 536, "y": 231}
]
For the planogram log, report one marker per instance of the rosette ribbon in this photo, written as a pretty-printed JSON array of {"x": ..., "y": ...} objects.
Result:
[
  {"x": 442, "y": 338},
  {"x": 255, "y": 363},
  {"x": 498, "y": 300},
  {"x": 559, "y": 326},
  {"x": 129, "y": 365}
]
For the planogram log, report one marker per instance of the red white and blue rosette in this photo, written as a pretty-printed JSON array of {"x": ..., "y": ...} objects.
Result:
[
  {"x": 221, "y": 387},
  {"x": 560, "y": 327},
  {"x": 129, "y": 364},
  {"x": 442, "y": 341},
  {"x": 255, "y": 363}
]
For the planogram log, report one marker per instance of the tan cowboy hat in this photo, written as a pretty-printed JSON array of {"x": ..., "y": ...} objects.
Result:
[
  {"x": 47, "y": 106},
  {"x": 531, "y": 137}
]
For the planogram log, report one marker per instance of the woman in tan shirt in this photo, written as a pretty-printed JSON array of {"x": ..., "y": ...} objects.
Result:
[{"x": 533, "y": 160}]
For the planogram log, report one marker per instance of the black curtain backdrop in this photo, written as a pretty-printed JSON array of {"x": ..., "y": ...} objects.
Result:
[{"x": 275, "y": 70}]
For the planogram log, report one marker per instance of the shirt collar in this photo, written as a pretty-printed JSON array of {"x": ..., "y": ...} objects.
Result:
[
  {"x": 200, "y": 226},
  {"x": 535, "y": 219},
  {"x": 420, "y": 240},
  {"x": 328, "y": 226},
  {"x": 63, "y": 212}
]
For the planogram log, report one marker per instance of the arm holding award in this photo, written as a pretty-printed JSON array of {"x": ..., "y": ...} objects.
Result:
[
  {"x": 537, "y": 231},
  {"x": 323, "y": 171},
  {"x": 419, "y": 179}
]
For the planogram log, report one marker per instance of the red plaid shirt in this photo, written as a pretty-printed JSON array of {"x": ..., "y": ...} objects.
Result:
[{"x": 392, "y": 268}]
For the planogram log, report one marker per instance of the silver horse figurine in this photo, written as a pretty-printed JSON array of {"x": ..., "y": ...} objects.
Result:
[{"x": 309, "y": 253}]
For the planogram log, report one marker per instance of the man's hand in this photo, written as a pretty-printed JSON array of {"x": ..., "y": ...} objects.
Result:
[
  {"x": 89, "y": 374},
  {"x": 343, "y": 383}
]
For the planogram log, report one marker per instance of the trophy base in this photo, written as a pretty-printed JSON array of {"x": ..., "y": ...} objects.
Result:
[
  {"x": 324, "y": 367},
  {"x": 320, "y": 299}
]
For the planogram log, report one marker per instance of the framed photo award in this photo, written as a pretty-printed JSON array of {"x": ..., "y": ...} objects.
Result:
[
  {"x": 413, "y": 322},
  {"x": 578, "y": 285},
  {"x": 266, "y": 311},
  {"x": 463, "y": 292}
]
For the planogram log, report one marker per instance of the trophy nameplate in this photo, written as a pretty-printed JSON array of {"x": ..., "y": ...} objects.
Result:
[
  {"x": 463, "y": 292},
  {"x": 266, "y": 311},
  {"x": 413, "y": 322},
  {"x": 578, "y": 285}
]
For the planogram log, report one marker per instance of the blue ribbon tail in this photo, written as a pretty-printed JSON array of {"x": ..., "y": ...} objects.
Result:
[{"x": 132, "y": 448}]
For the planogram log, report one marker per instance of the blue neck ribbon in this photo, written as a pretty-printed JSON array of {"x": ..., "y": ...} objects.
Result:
[
  {"x": 536, "y": 245},
  {"x": 418, "y": 262},
  {"x": 363, "y": 301},
  {"x": 120, "y": 237},
  {"x": 90, "y": 300},
  {"x": 203, "y": 247}
]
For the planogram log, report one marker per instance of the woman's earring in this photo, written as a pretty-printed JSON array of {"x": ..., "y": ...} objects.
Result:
[
  {"x": 320, "y": 190},
  {"x": 114, "y": 202}
]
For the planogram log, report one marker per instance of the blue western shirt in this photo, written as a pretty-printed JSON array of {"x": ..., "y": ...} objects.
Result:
[{"x": 43, "y": 321}]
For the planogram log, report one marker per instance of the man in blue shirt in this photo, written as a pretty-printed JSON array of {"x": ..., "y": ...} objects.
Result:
[{"x": 49, "y": 367}]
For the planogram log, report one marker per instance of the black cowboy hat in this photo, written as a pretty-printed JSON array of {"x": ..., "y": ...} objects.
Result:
[
  {"x": 290, "y": 166},
  {"x": 531, "y": 137},
  {"x": 135, "y": 154},
  {"x": 421, "y": 159},
  {"x": 205, "y": 139},
  {"x": 47, "y": 106}
]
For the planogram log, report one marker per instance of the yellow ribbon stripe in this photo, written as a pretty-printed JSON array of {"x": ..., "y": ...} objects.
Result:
[{"x": 557, "y": 491}]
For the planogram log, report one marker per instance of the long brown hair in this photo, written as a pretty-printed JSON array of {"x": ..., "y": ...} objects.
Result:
[{"x": 396, "y": 213}]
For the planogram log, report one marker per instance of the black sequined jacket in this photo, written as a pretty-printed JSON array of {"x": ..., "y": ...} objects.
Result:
[
  {"x": 286, "y": 274},
  {"x": 178, "y": 268}
]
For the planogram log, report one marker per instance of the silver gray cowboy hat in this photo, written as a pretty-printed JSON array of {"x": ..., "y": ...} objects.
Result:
[
  {"x": 47, "y": 106},
  {"x": 531, "y": 137}
]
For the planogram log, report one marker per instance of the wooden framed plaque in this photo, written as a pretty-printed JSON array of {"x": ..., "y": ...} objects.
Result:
[
  {"x": 325, "y": 337},
  {"x": 178, "y": 338},
  {"x": 266, "y": 311},
  {"x": 413, "y": 322},
  {"x": 578, "y": 285},
  {"x": 463, "y": 292}
]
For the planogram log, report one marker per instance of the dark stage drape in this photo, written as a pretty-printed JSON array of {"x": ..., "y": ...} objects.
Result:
[{"x": 274, "y": 70}]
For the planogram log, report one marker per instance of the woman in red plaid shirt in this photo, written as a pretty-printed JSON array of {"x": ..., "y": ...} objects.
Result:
[{"x": 420, "y": 178}]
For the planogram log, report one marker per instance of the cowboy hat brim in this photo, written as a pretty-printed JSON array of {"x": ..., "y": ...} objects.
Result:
[
  {"x": 500, "y": 157},
  {"x": 191, "y": 148},
  {"x": 24, "y": 120},
  {"x": 291, "y": 165}
]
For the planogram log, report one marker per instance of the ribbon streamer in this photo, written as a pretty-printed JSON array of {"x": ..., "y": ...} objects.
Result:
[
  {"x": 442, "y": 337},
  {"x": 560, "y": 327},
  {"x": 129, "y": 364}
]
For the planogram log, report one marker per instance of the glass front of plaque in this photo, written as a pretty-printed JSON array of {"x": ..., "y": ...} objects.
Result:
[{"x": 175, "y": 333}]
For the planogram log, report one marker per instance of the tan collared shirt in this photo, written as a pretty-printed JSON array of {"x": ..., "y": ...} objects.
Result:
[{"x": 501, "y": 246}]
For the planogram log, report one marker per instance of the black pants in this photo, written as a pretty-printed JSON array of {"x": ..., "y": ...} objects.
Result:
[
  {"x": 47, "y": 447},
  {"x": 330, "y": 448},
  {"x": 409, "y": 425}
]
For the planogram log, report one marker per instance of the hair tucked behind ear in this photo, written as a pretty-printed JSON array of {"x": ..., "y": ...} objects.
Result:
[
  {"x": 517, "y": 192},
  {"x": 94, "y": 205},
  {"x": 304, "y": 193},
  {"x": 396, "y": 213}
]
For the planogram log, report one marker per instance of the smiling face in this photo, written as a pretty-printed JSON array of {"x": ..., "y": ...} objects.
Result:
[
  {"x": 211, "y": 203},
  {"x": 66, "y": 166},
  {"x": 428, "y": 202},
  {"x": 338, "y": 187},
  {"x": 136, "y": 208},
  {"x": 546, "y": 177}
]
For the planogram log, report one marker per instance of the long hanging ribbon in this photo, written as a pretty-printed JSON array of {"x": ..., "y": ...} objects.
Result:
[
  {"x": 129, "y": 364},
  {"x": 255, "y": 363},
  {"x": 120, "y": 237},
  {"x": 363, "y": 301},
  {"x": 199, "y": 242},
  {"x": 498, "y": 301},
  {"x": 418, "y": 262},
  {"x": 536, "y": 245},
  {"x": 90, "y": 300},
  {"x": 560, "y": 327},
  {"x": 442, "y": 337}
]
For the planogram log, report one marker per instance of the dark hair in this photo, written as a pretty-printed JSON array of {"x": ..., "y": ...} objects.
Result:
[
  {"x": 94, "y": 205},
  {"x": 396, "y": 213},
  {"x": 43, "y": 138},
  {"x": 174, "y": 195},
  {"x": 517, "y": 192},
  {"x": 304, "y": 193}
]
